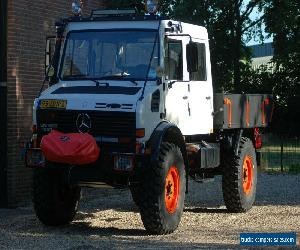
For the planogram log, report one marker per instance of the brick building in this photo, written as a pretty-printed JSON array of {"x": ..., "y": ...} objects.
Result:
[{"x": 23, "y": 27}]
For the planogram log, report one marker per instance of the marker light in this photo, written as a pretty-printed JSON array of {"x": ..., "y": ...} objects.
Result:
[
  {"x": 152, "y": 6},
  {"x": 76, "y": 8},
  {"x": 140, "y": 133}
]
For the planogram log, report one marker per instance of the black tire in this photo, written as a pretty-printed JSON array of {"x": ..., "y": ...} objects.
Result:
[
  {"x": 55, "y": 203},
  {"x": 239, "y": 189},
  {"x": 155, "y": 215},
  {"x": 135, "y": 194}
]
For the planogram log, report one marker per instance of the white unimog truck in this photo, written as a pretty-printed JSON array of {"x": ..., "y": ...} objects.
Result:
[{"x": 141, "y": 88}]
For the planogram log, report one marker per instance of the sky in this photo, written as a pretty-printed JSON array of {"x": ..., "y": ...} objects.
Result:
[{"x": 254, "y": 15}]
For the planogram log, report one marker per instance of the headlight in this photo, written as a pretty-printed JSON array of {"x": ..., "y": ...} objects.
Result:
[{"x": 76, "y": 8}]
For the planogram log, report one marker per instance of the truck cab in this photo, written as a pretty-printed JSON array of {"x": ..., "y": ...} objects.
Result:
[{"x": 124, "y": 67}]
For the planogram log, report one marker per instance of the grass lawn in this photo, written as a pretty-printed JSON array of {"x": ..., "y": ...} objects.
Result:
[{"x": 271, "y": 155}]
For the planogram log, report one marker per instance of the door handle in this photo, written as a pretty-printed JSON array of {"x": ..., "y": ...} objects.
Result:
[
  {"x": 185, "y": 97},
  {"x": 208, "y": 97}
]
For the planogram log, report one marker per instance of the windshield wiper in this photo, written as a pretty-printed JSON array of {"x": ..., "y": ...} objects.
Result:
[
  {"x": 86, "y": 77},
  {"x": 97, "y": 80},
  {"x": 124, "y": 74},
  {"x": 119, "y": 76},
  {"x": 100, "y": 83}
]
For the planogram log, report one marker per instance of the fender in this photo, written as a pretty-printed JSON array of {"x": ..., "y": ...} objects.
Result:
[{"x": 167, "y": 132}]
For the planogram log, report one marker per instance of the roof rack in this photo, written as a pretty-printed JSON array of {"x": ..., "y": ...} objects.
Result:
[
  {"x": 116, "y": 12},
  {"x": 113, "y": 15}
]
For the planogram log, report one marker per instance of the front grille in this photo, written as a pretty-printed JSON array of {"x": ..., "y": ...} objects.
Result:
[{"x": 103, "y": 124}]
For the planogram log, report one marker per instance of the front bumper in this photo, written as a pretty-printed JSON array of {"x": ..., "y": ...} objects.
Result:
[{"x": 111, "y": 169}]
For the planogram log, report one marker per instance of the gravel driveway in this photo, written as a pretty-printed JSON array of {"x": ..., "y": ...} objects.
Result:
[{"x": 108, "y": 219}]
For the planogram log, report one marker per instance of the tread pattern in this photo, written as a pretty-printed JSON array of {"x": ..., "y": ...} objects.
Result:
[
  {"x": 135, "y": 194},
  {"x": 54, "y": 202},
  {"x": 151, "y": 205},
  {"x": 234, "y": 198}
]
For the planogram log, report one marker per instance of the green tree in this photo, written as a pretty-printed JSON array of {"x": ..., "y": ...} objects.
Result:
[
  {"x": 283, "y": 23},
  {"x": 282, "y": 20},
  {"x": 230, "y": 27},
  {"x": 129, "y": 4}
]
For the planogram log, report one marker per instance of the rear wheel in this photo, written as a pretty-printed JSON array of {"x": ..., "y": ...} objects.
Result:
[
  {"x": 55, "y": 203},
  {"x": 240, "y": 177},
  {"x": 162, "y": 193}
]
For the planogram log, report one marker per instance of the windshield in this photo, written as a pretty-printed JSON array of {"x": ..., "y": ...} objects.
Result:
[{"x": 117, "y": 53}]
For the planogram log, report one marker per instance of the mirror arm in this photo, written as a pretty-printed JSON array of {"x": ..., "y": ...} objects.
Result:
[{"x": 170, "y": 84}]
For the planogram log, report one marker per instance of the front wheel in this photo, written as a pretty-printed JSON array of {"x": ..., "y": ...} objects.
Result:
[
  {"x": 240, "y": 177},
  {"x": 162, "y": 193},
  {"x": 135, "y": 194},
  {"x": 55, "y": 203}
]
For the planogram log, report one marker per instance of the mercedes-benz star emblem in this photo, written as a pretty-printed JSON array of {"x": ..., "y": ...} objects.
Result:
[{"x": 83, "y": 123}]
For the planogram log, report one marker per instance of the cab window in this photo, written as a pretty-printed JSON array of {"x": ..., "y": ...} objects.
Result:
[{"x": 173, "y": 60}]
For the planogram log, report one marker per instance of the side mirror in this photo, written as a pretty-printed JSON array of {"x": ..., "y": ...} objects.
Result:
[
  {"x": 192, "y": 57},
  {"x": 50, "y": 71},
  {"x": 49, "y": 53}
]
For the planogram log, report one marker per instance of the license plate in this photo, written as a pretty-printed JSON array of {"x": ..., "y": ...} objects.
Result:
[
  {"x": 53, "y": 104},
  {"x": 123, "y": 163}
]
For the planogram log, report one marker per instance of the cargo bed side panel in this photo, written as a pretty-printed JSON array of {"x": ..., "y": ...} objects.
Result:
[{"x": 242, "y": 110}]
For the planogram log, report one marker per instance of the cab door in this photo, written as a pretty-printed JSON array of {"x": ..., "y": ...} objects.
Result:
[
  {"x": 200, "y": 92},
  {"x": 176, "y": 102}
]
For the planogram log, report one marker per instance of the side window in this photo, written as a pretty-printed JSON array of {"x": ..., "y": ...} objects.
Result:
[
  {"x": 173, "y": 60},
  {"x": 200, "y": 74}
]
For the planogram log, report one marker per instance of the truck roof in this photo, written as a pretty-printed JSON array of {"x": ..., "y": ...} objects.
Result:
[
  {"x": 122, "y": 19},
  {"x": 130, "y": 20}
]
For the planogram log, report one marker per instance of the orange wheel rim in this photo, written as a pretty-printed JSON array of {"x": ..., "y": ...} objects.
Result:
[
  {"x": 172, "y": 185},
  {"x": 247, "y": 174}
]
